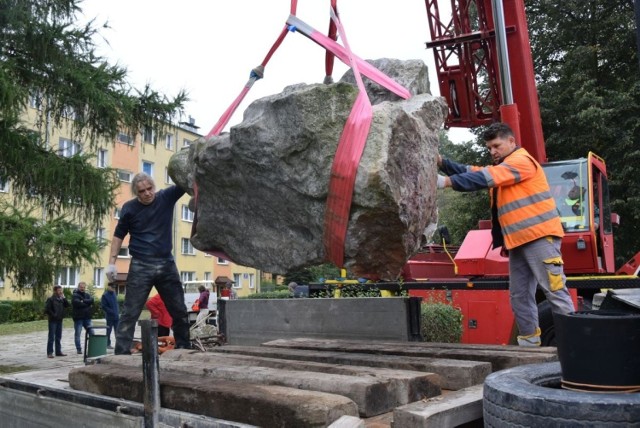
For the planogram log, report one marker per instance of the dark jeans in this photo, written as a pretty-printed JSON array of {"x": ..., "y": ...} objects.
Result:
[
  {"x": 143, "y": 275},
  {"x": 55, "y": 335},
  {"x": 163, "y": 331},
  {"x": 112, "y": 324},
  {"x": 77, "y": 326}
]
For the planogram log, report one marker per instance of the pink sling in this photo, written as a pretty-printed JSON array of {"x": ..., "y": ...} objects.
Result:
[{"x": 355, "y": 132}]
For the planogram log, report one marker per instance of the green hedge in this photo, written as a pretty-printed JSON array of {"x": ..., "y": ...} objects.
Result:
[
  {"x": 282, "y": 294},
  {"x": 440, "y": 323},
  {"x": 33, "y": 310},
  {"x": 5, "y": 312},
  {"x": 26, "y": 310}
]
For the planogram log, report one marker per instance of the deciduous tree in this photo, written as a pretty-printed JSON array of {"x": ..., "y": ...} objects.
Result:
[{"x": 585, "y": 58}]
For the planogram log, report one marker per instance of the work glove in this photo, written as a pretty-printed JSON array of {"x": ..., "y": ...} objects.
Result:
[
  {"x": 111, "y": 272},
  {"x": 441, "y": 181}
]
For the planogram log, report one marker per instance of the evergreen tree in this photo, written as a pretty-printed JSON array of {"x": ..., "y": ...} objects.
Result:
[
  {"x": 585, "y": 57},
  {"x": 49, "y": 60}
]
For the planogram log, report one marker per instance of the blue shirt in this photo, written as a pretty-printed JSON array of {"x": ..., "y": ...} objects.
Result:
[
  {"x": 149, "y": 226},
  {"x": 109, "y": 304},
  {"x": 463, "y": 179}
]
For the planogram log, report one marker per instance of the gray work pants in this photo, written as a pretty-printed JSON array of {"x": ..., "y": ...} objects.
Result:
[{"x": 537, "y": 264}]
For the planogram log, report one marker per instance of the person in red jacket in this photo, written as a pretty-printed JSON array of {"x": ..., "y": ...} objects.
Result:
[
  {"x": 525, "y": 223},
  {"x": 159, "y": 312}
]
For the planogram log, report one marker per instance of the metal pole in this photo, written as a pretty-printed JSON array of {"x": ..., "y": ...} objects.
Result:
[
  {"x": 636, "y": 6},
  {"x": 150, "y": 372},
  {"x": 502, "y": 51}
]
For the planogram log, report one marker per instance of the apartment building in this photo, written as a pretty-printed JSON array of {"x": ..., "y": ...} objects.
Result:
[{"x": 129, "y": 155}]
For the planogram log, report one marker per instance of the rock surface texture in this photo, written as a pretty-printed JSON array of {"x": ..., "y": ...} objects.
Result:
[{"x": 262, "y": 188}]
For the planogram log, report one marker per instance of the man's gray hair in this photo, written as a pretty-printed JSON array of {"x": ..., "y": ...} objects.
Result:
[{"x": 139, "y": 178}]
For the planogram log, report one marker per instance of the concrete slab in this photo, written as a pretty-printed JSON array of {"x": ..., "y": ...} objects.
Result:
[
  {"x": 44, "y": 398},
  {"x": 500, "y": 356},
  {"x": 347, "y": 422},
  {"x": 262, "y": 405},
  {"x": 450, "y": 410},
  {"x": 253, "y": 321},
  {"x": 373, "y": 395},
  {"x": 454, "y": 374},
  {"x": 408, "y": 385}
]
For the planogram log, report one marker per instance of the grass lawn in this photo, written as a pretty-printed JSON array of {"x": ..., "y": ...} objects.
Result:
[
  {"x": 42, "y": 325},
  {"x": 29, "y": 327}
]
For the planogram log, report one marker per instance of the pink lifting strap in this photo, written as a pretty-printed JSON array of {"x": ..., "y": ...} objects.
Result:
[
  {"x": 330, "y": 57},
  {"x": 296, "y": 24},
  {"x": 255, "y": 75},
  {"x": 355, "y": 132},
  {"x": 345, "y": 164}
]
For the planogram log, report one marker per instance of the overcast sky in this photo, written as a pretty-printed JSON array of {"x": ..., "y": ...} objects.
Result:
[{"x": 208, "y": 48}]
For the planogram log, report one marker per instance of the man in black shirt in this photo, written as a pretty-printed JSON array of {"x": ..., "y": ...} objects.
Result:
[{"x": 148, "y": 219}]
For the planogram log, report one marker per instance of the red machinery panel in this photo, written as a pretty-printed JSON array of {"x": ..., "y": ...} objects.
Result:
[
  {"x": 578, "y": 253},
  {"x": 487, "y": 316},
  {"x": 476, "y": 257},
  {"x": 431, "y": 263}
]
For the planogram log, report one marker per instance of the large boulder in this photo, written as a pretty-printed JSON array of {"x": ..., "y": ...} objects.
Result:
[
  {"x": 262, "y": 188},
  {"x": 413, "y": 74}
]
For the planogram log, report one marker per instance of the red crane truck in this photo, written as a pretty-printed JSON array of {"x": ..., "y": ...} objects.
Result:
[{"x": 477, "y": 52}]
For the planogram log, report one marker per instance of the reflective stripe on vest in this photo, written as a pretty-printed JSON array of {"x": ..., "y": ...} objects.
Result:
[{"x": 526, "y": 212}]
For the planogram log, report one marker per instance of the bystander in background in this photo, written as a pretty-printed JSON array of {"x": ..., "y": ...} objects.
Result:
[
  {"x": 109, "y": 304},
  {"x": 54, "y": 308},
  {"x": 82, "y": 311},
  {"x": 159, "y": 312}
]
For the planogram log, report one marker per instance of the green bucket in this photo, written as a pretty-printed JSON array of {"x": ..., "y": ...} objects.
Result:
[{"x": 97, "y": 346}]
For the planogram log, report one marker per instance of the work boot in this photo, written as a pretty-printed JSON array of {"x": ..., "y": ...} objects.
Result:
[{"x": 531, "y": 339}]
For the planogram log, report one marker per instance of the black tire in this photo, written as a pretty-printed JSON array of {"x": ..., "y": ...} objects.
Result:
[
  {"x": 545, "y": 321},
  {"x": 530, "y": 396}
]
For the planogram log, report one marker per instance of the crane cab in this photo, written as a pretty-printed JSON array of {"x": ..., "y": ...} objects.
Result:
[{"x": 580, "y": 189}]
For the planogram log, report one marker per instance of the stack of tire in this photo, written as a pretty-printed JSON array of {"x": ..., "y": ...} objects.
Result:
[
  {"x": 599, "y": 355},
  {"x": 531, "y": 396}
]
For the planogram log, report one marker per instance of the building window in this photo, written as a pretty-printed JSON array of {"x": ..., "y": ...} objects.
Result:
[
  {"x": 222, "y": 261},
  {"x": 168, "y": 141},
  {"x": 187, "y": 247},
  {"x": 148, "y": 136},
  {"x": 98, "y": 277},
  {"x": 208, "y": 276},
  {"x": 250, "y": 278},
  {"x": 167, "y": 177},
  {"x": 101, "y": 234},
  {"x": 186, "y": 142},
  {"x": 116, "y": 212},
  {"x": 68, "y": 148},
  {"x": 187, "y": 276},
  {"x": 147, "y": 168},
  {"x": 125, "y": 176},
  {"x": 4, "y": 185},
  {"x": 237, "y": 281},
  {"x": 35, "y": 101},
  {"x": 2, "y": 279},
  {"x": 102, "y": 158},
  {"x": 187, "y": 214},
  {"x": 68, "y": 276},
  {"x": 125, "y": 139},
  {"x": 69, "y": 113},
  {"x": 124, "y": 252}
]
